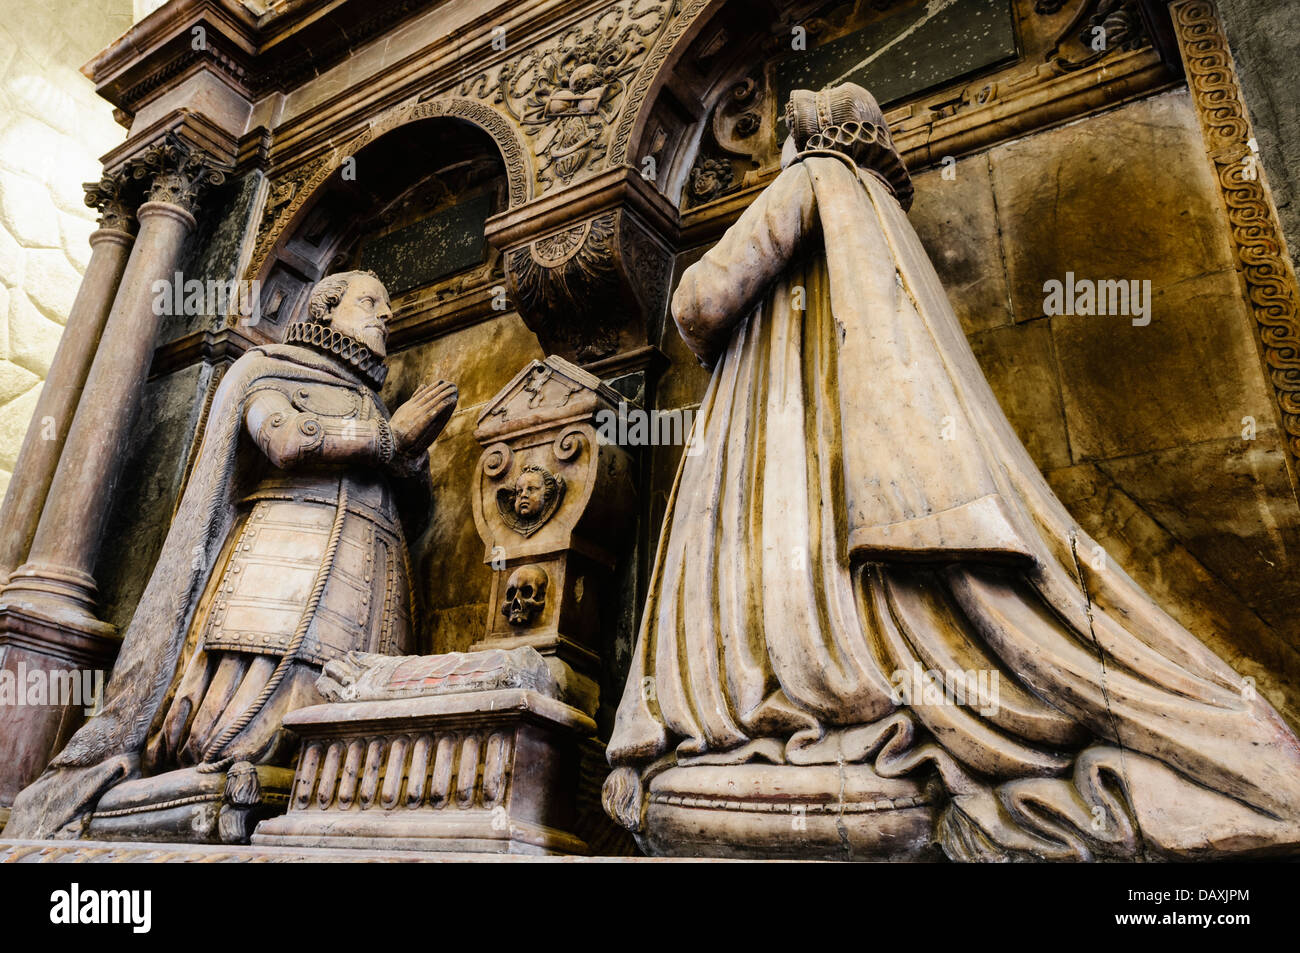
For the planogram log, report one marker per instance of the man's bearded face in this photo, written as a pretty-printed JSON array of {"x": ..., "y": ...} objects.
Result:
[{"x": 363, "y": 314}]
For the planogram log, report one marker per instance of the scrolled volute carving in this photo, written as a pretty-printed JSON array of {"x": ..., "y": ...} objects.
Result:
[
  {"x": 111, "y": 197},
  {"x": 553, "y": 505},
  {"x": 176, "y": 171}
]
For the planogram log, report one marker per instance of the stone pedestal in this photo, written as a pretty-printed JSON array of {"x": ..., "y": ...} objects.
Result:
[
  {"x": 553, "y": 502},
  {"x": 434, "y": 757},
  {"x": 760, "y": 811},
  {"x": 49, "y": 676}
]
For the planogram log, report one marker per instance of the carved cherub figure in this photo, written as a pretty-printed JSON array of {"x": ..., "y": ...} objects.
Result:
[{"x": 536, "y": 495}]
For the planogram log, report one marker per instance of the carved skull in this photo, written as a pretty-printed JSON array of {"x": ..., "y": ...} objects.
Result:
[{"x": 525, "y": 594}]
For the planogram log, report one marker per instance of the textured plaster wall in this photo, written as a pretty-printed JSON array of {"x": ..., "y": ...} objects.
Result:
[{"x": 53, "y": 128}]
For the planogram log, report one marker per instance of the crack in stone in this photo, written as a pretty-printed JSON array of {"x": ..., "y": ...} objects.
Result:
[{"x": 1105, "y": 689}]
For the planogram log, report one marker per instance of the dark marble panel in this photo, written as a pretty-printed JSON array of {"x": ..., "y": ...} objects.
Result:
[
  {"x": 442, "y": 244},
  {"x": 917, "y": 48}
]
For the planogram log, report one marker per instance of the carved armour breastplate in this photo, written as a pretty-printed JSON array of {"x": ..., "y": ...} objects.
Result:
[{"x": 281, "y": 545}]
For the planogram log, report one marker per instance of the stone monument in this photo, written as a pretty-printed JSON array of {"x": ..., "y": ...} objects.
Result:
[{"x": 482, "y": 751}]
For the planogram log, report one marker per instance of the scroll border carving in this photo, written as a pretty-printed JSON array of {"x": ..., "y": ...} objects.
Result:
[{"x": 1267, "y": 273}]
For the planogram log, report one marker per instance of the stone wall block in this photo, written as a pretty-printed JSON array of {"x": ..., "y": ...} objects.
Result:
[
  {"x": 32, "y": 337},
  {"x": 28, "y": 212}
]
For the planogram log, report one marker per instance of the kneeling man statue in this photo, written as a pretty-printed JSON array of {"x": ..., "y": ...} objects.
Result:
[{"x": 288, "y": 551}]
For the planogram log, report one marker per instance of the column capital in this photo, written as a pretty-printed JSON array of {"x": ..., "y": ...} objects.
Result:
[
  {"x": 173, "y": 160},
  {"x": 111, "y": 197},
  {"x": 176, "y": 172}
]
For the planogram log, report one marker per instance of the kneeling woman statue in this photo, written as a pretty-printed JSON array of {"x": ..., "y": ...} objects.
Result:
[{"x": 863, "y": 509}]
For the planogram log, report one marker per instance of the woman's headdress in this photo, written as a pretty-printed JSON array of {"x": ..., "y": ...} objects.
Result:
[{"x": 847, "y": 120}]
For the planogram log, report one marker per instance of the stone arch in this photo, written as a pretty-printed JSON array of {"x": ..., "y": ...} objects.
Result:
[
  {"x": 292, "y": 194},
  {"x": 672, "y": 84},
  {"x": 298, "y": 237}
]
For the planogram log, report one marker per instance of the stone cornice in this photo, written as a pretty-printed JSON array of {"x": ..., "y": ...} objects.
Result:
[
  {"x": 210, "y": 346},
  {"x": 188, "y": 129},
  {"x": 616, "y": 188}
]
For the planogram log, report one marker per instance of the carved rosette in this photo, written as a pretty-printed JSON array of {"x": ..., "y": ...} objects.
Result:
[
  {"x": 1267, "y": 272},
  {"x": 594, "y": 288},
  {"x": 553, "y": 503}
]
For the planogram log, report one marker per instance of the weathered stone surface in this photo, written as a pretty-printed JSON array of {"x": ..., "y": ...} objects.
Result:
[
  {"x": 32, "y": 336},
  {"x": 1198, "y": 598},
  {"x": 15, "y": 381},
  {"x": 1231, "y": 504},
  {"x": 13, "y": 425},
  {"x": 1133, "y": 389},
  {"x": 50, "y": 282},
  {"x": 956, "y": 219},
  {"x": 1126, "y": 195},
  {"x": 1021, "y": 368},
  {"x": 12, "y": 260}
]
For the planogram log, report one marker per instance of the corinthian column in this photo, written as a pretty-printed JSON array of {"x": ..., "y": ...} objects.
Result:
[
  {"x": 57, "y": 581},
  {"x": 39, "y": 456}
]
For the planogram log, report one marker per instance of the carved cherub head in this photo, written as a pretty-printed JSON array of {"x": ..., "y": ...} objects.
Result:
[
  {"x": 530, "y": 493},
  {"x": 354, "y": 303},
  {"x": 529, "y": 503}
]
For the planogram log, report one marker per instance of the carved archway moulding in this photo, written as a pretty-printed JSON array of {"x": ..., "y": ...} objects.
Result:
[
  {"x": 291, "y": 193},
  {"x": 676, "y": 38}
]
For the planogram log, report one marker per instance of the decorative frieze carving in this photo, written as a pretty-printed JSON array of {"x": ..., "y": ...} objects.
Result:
[
  {"x": 1266, "y": 271},
  {"x": 566, "y": 95}
]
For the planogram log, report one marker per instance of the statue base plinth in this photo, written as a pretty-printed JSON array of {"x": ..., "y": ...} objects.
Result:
[
  {"x": 804, "y": 812},
  {"x": 50, "y": 672},
  {"x": 492, "y": 771}
]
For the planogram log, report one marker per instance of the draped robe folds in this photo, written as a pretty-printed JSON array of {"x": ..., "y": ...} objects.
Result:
[
  {"x": 859, "y": 510},
  {"x": 163, "y": 632}
]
